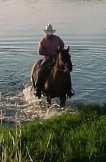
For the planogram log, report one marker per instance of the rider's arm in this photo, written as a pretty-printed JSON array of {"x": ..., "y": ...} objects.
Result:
[{"x": 42, "y": 50}]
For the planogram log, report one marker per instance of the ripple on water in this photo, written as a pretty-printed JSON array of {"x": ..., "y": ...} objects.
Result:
[{"x": 84, "y": 31}]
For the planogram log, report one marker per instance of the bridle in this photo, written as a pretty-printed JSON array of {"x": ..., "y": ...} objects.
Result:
[{"x": 63, "y": 64}]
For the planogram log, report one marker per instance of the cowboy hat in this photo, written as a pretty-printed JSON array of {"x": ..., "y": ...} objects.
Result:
[{"x": 49, "y": 30}]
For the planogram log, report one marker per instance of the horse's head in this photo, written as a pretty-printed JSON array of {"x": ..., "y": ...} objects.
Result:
[{"x": 64, "y": 59}]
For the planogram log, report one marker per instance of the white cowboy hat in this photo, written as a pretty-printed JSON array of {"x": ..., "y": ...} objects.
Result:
[{"x": 49, "y": 30}]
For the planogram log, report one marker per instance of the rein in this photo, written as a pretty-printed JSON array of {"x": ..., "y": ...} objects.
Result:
[
  {"x": 62, "y": 63},
  {"x": 65, "y": 70}
]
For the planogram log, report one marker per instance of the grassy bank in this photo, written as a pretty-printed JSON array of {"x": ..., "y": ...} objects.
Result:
[{"x": 67, "y": 138}]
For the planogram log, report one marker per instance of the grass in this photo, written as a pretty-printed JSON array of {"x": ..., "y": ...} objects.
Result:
[{"x": 66, "y": 138}]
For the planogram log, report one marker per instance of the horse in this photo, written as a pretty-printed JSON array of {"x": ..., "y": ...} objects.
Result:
[{"x": 56, "y": 82}]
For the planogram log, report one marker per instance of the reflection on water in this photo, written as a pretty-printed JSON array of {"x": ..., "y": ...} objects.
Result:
[{"x": 82, "y": 26}]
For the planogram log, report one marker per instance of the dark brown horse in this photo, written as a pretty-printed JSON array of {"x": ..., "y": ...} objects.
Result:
[{"x": 56, "y": 82}]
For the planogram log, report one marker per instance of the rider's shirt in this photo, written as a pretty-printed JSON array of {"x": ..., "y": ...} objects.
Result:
[{"x": 48, "y": 47}]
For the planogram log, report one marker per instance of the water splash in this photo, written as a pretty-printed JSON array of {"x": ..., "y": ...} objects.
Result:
[
  {"x": 40, "y": 105},
  {"x": 27, "y": 107}
]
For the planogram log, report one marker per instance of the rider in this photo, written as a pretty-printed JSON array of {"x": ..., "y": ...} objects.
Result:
[{"x": 48, "y": 47}]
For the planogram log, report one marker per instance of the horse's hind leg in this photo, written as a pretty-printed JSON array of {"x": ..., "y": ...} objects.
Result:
[{"x": 62, "y": 100}]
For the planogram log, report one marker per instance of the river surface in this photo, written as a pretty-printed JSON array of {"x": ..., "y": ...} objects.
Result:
[{"x": 82, "y": 26}]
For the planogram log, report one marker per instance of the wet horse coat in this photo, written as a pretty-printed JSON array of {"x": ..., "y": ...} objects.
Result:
[{"x": 56, "y": 82}]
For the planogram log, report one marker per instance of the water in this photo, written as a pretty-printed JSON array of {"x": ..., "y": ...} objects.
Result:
[{"x": 82, "y": 26}]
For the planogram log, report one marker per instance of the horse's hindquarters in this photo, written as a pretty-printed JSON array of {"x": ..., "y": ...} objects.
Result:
[{"x": 34, "y": 71}]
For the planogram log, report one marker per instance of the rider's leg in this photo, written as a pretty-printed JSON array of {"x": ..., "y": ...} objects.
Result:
[
  {"x": 70, "y": 91},
  {"x": 42, "y": 72}
]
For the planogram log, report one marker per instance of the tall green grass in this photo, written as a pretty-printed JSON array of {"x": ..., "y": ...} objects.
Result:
[{"x": 79, "y": 137}]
